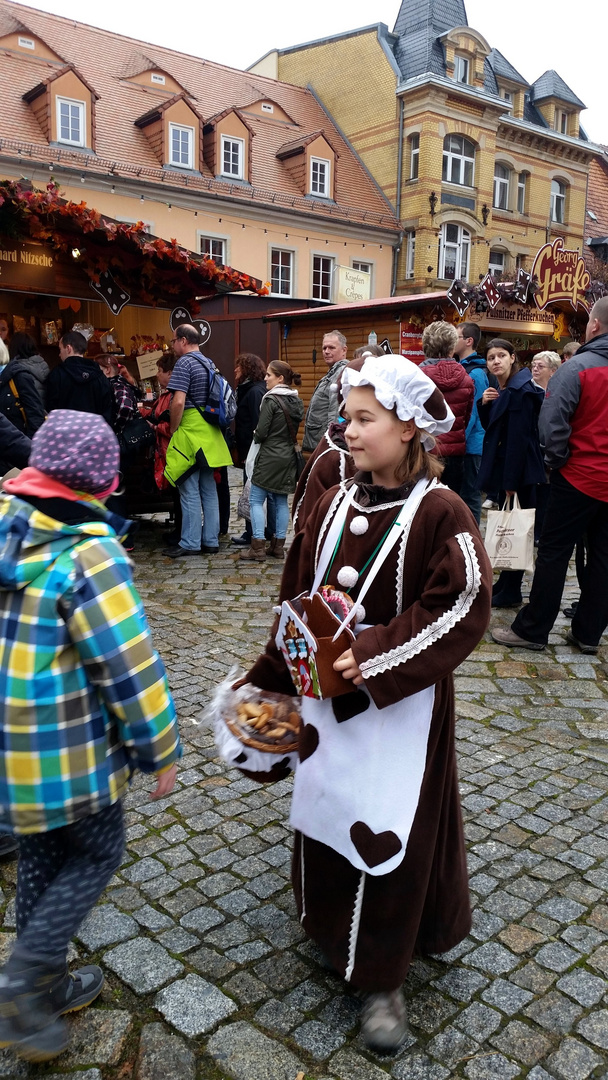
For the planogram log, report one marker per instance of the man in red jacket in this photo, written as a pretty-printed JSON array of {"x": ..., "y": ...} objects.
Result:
[
  {"x": 574, "y": 433},
  {"x": 439, "y": 342}
]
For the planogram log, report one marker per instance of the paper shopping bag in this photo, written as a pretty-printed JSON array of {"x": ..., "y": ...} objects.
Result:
[{"x": 510, "y": 537}]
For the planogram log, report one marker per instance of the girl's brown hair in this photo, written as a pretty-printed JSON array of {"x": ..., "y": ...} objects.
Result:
[
  {"x": 251, "y": 367},
  {"x": 502, "y": 343},
  {"x": 418, "y": 462},
  {"x": 290, "y": 377}
]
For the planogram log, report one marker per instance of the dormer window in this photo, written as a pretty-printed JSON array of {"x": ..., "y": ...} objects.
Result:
[
  {"x": 158, "y": 80},
  {"x": 461, "y": 69},
  {"x": 70, "y": 122},
  {"x": 26, "y": 43},
  {"x": 506, "y": 95},
  {"x": 267, "y": 107},
  {"x": 319, "y": 177},
  {"x": 181, "y": 140},
  {"x": 232, "y": 157},
  {"x": 561, "y": 121}
]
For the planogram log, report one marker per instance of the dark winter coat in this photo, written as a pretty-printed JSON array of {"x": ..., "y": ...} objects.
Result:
[
  {"x": 249, "y": 396},
  {"x": 475, "y": 367},
  {"x": 14, "y": 447},
  {"x": 38, "y": 367},
  {"x": 511, "y": 457},
  {"x": 458, "y": 390},
  {"x": 275, "y": 466},
  {"x": 80, "y": 384},
  {"x": 27, "y": 401}
]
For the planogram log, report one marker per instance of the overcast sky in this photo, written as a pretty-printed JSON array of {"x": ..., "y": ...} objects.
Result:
[{"x": 532, "y": 36}]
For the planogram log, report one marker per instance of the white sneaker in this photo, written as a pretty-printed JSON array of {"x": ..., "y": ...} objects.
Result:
[
  {"x": 488, "y": 504},
  {"x": 384, "y": 1021}
]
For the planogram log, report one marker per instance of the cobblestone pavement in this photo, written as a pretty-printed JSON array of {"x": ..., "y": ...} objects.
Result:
[{"x": 209, "y": 974}]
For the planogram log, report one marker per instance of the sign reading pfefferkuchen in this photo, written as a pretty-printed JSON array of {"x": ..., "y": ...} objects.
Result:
[{"x": 29, "y": 266}]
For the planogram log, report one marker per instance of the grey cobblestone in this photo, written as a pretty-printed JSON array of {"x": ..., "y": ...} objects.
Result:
[{"x": 203, "y": 897}]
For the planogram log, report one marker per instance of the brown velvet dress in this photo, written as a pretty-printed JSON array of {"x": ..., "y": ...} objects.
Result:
[
  {"x": 329, "y": 464},
  {"x": 427, "y": 609}
]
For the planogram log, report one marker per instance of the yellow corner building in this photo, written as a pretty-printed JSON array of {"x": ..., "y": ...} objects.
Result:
[{"x": 481, "y": 167}]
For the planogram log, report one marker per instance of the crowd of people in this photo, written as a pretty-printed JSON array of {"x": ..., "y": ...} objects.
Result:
[{"x": 385, "y": 516}]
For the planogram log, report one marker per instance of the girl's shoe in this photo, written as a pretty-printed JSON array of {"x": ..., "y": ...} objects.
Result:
[
  {"x": 384, "y": 1021},
  {"x": 256, "y": 552},
  {"x": 30, "y": 1023},
  {"x": 77, "y": 989},
  {"x": 277, "y": 548}
]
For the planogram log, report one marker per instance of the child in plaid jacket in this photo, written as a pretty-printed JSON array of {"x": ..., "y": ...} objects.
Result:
[{"x": 84, "y": 701}]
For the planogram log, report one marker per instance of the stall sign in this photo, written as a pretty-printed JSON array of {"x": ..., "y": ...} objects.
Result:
[
  {"x": 410, "y": 340},
  {"x": 352, "y": 285},
  {"x": 516, "y": 318},
  {"x": 25, "y": 265},
  {"x": 561, "y": 275},
  {"x": 146, "y": 364}
]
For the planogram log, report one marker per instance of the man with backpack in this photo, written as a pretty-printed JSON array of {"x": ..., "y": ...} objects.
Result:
[
  {"x": 469, "y": 334},
  {"x": 199, "y": 409}
]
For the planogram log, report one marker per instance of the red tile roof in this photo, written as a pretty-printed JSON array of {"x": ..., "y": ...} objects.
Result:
[
  {"x": 597, "y": 197},
  {"x": 104, "y": 58}
]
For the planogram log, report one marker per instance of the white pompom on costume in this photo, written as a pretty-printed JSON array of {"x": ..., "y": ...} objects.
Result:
[
  {"x": 359, "y": 525},
  {"x": 347, "y": 577}
]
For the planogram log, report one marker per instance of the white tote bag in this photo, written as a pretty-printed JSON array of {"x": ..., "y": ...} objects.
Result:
[
  {"x": 254, "y": 450},
  {"x": 510, "y": 536}
]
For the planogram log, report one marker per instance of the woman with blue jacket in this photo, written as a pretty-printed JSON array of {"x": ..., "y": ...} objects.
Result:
[{"x": 511, "y": 460}]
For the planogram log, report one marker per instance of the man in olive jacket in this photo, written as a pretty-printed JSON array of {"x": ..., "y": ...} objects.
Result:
[{"x": 323, "y": 407}]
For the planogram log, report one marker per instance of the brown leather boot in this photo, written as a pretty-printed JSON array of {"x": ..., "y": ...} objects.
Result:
[
  {"x": 277, "y": 548},
  {"x": 257, "y": 551}
]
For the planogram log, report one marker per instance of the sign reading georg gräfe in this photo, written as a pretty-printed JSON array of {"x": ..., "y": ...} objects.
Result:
[
  {"x": 352, "y": 285},
  {"x": 561, "y": 275},
  {"x": 25, "y": 265}
]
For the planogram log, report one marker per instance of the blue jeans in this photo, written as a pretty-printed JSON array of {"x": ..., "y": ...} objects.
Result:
[
  {"x": 469, "y": 492},
  {"x": 199, "y": 490},
  {"x": 257, "y": 498}
]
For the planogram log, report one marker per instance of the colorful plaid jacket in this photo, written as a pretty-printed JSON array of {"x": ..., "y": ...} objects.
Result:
[{"x": 84, "y": 698}]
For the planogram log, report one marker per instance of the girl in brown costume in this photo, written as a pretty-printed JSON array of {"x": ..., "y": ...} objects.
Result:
[{"x": 379, "y": 868}]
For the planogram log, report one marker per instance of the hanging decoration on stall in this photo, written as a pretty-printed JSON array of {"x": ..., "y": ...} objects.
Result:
[
  {"x": 115, "y": 297},
  {"x": 522, "y": 285},
  {"x": 150, "y": 268},
  {"x": 386, "y": 346},
  {"x": 561, "y": 275},
  {"x": 181, "y": 315},
  {"x": 490, "y": 289},
  {"x": 457, "y": 296}
]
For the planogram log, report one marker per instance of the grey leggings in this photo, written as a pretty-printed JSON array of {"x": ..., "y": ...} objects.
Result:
[{"x": 61, "y": 875}]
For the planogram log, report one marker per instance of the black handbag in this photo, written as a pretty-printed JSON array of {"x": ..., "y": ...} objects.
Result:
[{"x": 137, "y": 434}]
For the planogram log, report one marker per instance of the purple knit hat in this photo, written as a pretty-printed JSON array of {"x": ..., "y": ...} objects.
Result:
[{"x": 78, "y": 449}]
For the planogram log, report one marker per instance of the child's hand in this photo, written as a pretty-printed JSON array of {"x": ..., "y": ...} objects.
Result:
[
  {"x": 349, "y": 668},
  {"x": 164, "y": 784}
]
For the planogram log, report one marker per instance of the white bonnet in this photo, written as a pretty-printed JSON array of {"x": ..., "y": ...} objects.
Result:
[{"x": 401, "y": 385}]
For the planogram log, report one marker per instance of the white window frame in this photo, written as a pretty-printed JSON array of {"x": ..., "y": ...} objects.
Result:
[
  {"x": 522, "y": 192},
  {"x": 323, "y": 192},
  {"x": 267, "y": 107},
  {"x": 240, "y": 143},
  {"x": 458, "y": 160},
  {"x": 157, "y": 79},
  {"x": 460, "y": 246},
  {"x": 364, "y": 266},
  {"x": 558, "y": 202},
  {"x": 289, "y": 265},
  {"x": 414, "y": 155},
  {"x": 320, "y": 285},
  {"x": 26, "y": 43},
  {"x": 81, "y": 108},
  {"x": 203, "y": 249},
  {"x": 561, "y": 121},
  {"x": 497, "y": 263},
  {"x": 502, "y": 184},
  {"x": 461, "y": 69},
  {"x": 506, "y": 95},
  {"x": 189, "y": 131},
  {"x": 410, "y": 252}
]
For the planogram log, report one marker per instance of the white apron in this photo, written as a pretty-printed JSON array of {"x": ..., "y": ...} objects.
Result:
[{"x": 358, "y": 780}]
